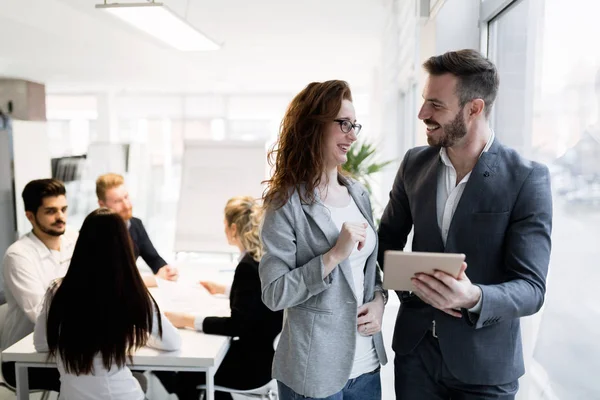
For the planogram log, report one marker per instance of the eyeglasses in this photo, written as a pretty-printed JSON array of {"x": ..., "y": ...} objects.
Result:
[{"x": 347, "y": 126}]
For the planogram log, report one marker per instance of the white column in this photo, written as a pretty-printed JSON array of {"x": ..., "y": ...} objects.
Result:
[{"x": 107, "y": 123}]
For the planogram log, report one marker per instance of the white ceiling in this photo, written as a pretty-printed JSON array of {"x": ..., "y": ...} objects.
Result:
[{"x": 270, "y": 46}]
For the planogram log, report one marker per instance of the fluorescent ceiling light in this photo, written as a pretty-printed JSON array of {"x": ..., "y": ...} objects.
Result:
[{"x": 157, "y": 20}]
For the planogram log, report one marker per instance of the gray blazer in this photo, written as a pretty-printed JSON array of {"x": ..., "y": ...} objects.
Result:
[
  {"x": 316, "y": 351},
  {"x": 502, "y": 224}
]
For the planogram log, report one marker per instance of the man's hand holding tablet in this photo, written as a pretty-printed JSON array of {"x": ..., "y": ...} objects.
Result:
[{"x": 438, "y": 279}]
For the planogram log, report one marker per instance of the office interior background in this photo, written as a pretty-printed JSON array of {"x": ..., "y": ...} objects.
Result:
[{"x": 130, "y": 103}]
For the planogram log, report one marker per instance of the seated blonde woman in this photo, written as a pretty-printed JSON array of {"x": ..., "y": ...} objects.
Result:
[{"x": 247, "y": 365}]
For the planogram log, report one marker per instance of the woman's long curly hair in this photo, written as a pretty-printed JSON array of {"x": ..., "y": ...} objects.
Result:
[{"x": 297, "y": 156}]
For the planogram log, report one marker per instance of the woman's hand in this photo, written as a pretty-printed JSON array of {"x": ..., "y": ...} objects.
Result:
[
  {"x": 350, "y": 234},
  {"x": 149, "y": 280},
  {"x": 213, "y": 288},
  {"x": 370, "y": 316},
  {"x": 180, "y": 320}
]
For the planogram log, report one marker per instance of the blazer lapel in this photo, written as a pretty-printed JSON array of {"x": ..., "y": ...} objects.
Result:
[
  {"x": 482, "y": 176},
  {"x": 322, "y": 218},
  {"x": 426, "y": 203},
  {"x": 320, "y": 215},
  {"x": 362, "y": 202}
]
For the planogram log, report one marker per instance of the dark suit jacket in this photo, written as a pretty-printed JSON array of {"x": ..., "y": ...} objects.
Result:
[
  {"x": 142, "y": 246},
  {"x": 248, "y": 362},
  {"x": 502, "y": 224}
]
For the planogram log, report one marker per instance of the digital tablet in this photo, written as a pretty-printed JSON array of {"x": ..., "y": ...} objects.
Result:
[{"x": 400, "y": 266}]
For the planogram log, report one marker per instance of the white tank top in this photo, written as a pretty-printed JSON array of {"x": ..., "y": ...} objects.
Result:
[{"x": 365, "y": 357}]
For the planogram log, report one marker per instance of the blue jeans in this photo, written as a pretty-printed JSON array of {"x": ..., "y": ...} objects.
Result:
[{"x": 365, "y": 387}]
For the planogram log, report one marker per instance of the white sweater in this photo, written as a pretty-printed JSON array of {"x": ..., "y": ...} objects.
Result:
[{"x": 113, "y": 384}]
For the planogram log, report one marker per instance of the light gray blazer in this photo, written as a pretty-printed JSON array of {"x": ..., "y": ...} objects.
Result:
[{"x": 318, "y": 341}]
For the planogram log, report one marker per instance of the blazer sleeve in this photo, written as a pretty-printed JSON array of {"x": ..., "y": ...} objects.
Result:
[
  {"x": 527, "y": 255},
  {"x": 284, "y": 283},
  {"x": 248, "y": 313},
  {"x": 396, "y": 221},
  {"x": 147, "y": 250}
]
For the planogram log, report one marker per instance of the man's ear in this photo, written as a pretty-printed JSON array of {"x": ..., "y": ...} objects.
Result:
[
  {"x": 476, "y": 108},
  {"x": 101, "y": 203},
  {"x": 30, "y": 217}
]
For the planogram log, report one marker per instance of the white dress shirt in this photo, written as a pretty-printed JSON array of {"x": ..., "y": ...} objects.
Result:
[
  {"x": 449, "y": 194},
  {"x": 365, "y": 357},
  {"x": 112, "y": 384},
  {"x": 28, "y": 269}
]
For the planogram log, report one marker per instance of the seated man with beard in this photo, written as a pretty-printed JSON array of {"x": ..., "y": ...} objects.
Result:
[
  {"x": 29, "y": 267},
  {"x": 112, "y": 193}
]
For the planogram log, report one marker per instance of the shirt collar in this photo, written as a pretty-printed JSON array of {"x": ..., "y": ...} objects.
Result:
[
  {"x": 446, "y": 160},
  {"x": 41, "y": 248}
]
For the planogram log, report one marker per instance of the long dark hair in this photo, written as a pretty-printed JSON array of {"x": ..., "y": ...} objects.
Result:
[
  {"x": 298, "y": 154},
  {"x": 101, "y": 305}
]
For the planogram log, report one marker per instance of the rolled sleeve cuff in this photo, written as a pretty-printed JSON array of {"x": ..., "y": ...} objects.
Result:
[
  {"x": 476, "y": 309},
  {"x": 312, "y": 273},
  {"x": 198, "y": 323}
]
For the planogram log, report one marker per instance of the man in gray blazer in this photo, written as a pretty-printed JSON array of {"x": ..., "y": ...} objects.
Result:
[{"x": 466, "y": 193}]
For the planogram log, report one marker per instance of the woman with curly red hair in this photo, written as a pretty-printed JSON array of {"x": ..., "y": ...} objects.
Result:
[{"x": 320, "y": 251}]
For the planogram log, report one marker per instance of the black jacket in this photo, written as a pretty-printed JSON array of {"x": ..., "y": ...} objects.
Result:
[
  {"x": 248, "y": 362},
  {"x": 142, "y": 246}
]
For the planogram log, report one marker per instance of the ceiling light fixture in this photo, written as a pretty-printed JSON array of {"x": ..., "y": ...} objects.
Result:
[{"x": 159, "y": 21}]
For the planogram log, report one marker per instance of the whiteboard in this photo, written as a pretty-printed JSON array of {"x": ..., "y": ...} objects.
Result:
[{"x": 212, "y": 173}]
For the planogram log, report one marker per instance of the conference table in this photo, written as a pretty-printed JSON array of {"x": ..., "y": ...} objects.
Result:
[{"x": 199, "y": 352}]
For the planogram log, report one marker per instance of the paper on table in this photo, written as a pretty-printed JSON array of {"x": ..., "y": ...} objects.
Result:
[{"x": 189, "y": 297}]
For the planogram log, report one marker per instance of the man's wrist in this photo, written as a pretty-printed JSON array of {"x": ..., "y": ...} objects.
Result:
[{"x": 475, "y": 297}]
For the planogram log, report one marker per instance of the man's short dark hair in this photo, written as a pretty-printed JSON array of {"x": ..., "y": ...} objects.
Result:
[
  {"x": 35, "y": 192},
  {"x": 477, "y": 76}
]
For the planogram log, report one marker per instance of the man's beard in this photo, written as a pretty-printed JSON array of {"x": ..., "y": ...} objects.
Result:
[
  {"x": 127, "y": 215},
  {"x": 50, "y": 231},
  {"x": 452, "y": 132}
]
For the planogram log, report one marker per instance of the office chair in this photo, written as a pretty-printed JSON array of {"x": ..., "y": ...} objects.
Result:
[{"x": 267, "y": 391}]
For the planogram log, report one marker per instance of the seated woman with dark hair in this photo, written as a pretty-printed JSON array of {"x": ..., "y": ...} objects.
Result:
[
  {"x": 95, "y": 317},
  {"x": 247, "y": 364}
]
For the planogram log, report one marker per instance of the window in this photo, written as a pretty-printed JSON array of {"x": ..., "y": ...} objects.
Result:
[{"x": 548, "y": 108}]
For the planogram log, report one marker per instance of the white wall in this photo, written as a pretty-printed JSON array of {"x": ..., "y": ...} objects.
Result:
[{"x": 457, "y": 26}]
